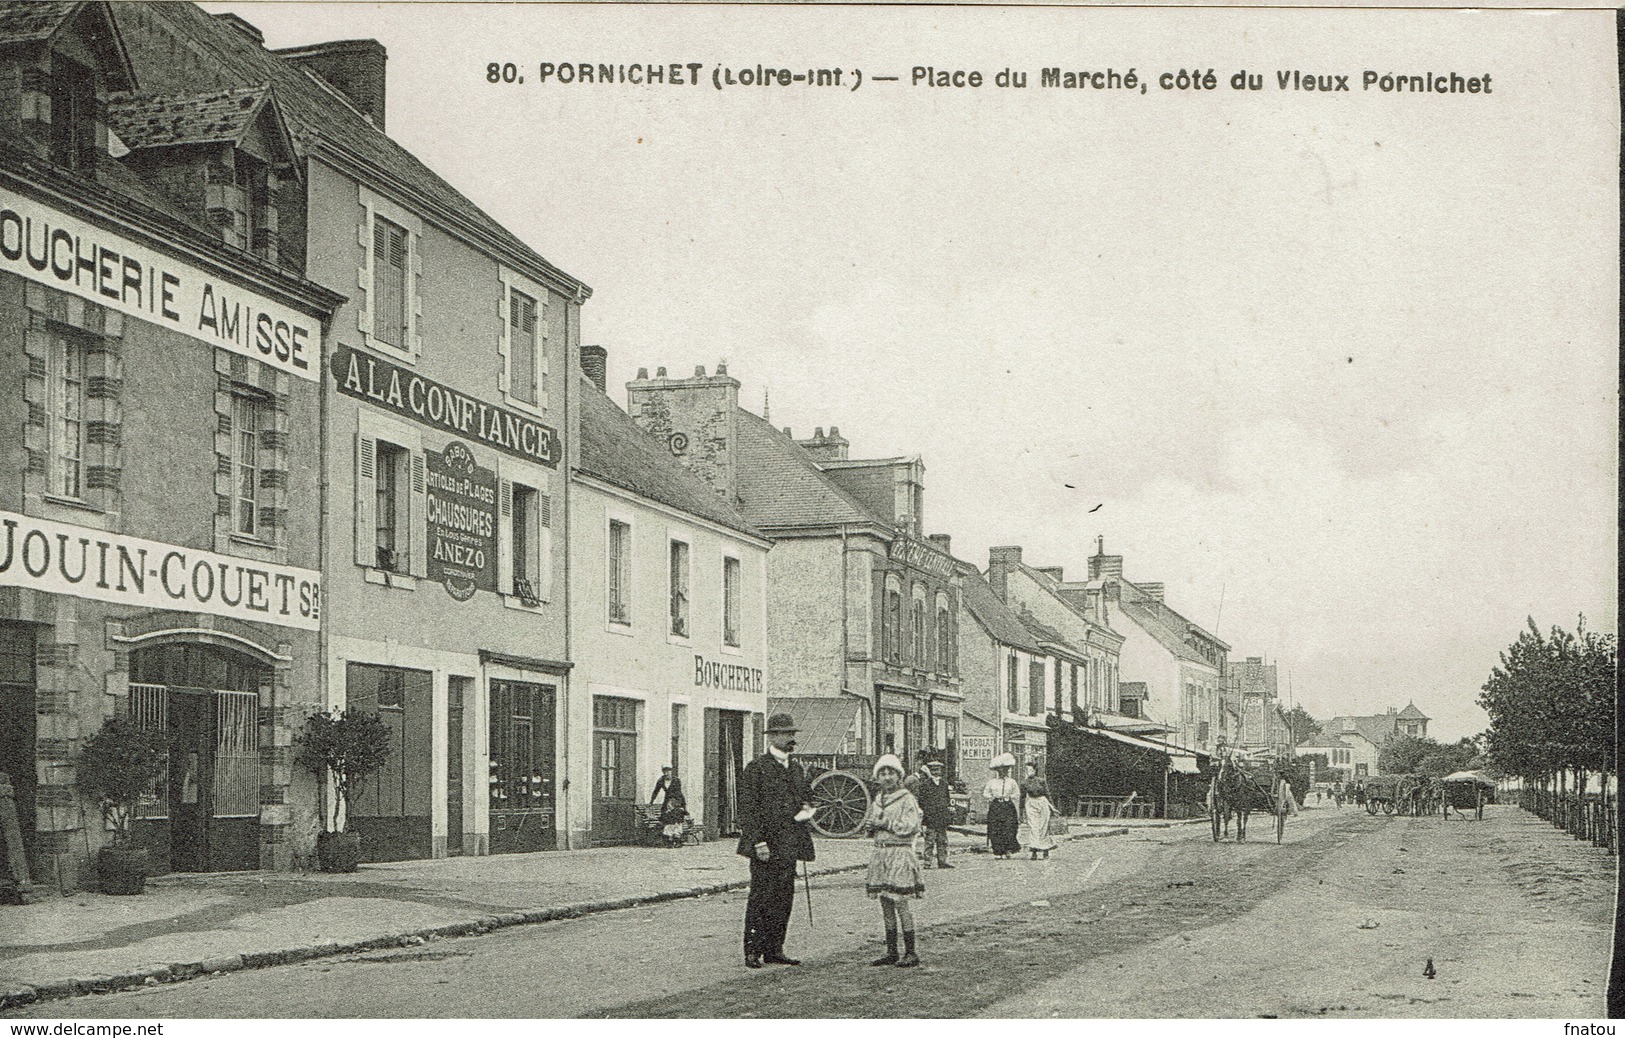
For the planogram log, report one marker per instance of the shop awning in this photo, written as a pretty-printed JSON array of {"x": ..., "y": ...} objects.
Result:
[
  {"x": 1183, "y": 761},
  {"x": 823, "y": 723}
]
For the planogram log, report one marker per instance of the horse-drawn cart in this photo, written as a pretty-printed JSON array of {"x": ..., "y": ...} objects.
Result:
[
  {"x": 1381, "y": 793},
  {"x": 1466, "y": 791},
  {"x": 1240, "y": 787}
]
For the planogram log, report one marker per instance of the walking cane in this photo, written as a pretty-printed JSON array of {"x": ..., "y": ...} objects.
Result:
[{"x": 806, "y": 885}]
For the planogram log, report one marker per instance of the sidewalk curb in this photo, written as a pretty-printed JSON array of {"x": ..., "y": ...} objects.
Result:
[{"x": 175, "y": 972}]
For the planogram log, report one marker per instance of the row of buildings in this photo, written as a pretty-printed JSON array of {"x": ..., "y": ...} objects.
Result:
[{"x": 290, "y": 424}]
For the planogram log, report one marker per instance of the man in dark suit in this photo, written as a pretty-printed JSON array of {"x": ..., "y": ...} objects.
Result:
[
  {"x": 775, "y": 804},
  {"x": 936, "y": 811}
]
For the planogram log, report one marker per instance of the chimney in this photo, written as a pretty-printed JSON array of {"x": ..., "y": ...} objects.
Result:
[
  {"x": 1152, "y": 591},
  {"x": 1052, "y": 572},
  {"x": 595, "y": 365},
  {"x": 697, "y": 418},
  {"x": 825, "y": 448},
  {"x": 355, "y": 68},
  {"x": 942, "y": 542},
  {"x": 1102, "y": 565},
  {"x": 243, "y": 26},
  {"x": 1000, "y": 561}
]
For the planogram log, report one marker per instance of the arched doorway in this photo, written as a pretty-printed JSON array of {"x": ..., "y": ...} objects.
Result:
[{"x": 207, "y": 698}]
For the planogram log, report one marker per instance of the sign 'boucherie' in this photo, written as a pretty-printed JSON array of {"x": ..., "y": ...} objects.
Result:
[
  {"x": 44, "y": 245},
  {"x": 394, "y": 388},
  {"x": 60, "y": 559}
]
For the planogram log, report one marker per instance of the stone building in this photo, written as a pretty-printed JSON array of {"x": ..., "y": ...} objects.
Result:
[
  {"x": 160, "y": 500},
  {"x": 863, "y": 609},
  {"x": 446, "y": 432},
  {"x": 1252, "y": 684},
  {"x": 1182, "y": 666},
  {"x": 668, "y": 628}
]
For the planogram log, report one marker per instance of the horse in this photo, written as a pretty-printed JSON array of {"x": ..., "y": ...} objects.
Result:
[{"x": 1234, "y": 792}]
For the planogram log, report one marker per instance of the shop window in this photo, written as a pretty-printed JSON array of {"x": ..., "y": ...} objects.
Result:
[
  {"x": 248, "y": 419},
  {"x": 389, "y": 283},
  {"x": 65, "y": 405},
  {"x": 523, "y": 377},
  {"x": 615, "y": 740},
  {"x": 677, "y": 579},
  {"x": 521, "y": 746},
  {"x": 389, "y": 513},
  {"x": 730, "y": 601},
  {"x": 73, "y": 115},
  {"x": 620, "y": 573}
]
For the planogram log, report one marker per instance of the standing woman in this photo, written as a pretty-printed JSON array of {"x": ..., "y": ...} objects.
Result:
[
  {"x": 673, "y": 812},
  {"x": 894, "y": 868},
  {"x": 1001, "y": 793},
  {"x": 1038, "y": 810}
]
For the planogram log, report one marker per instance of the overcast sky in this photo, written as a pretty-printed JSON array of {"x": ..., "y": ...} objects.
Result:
[{"x": 1346, "y": 364}]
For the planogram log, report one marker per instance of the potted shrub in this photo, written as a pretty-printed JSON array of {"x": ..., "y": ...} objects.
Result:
[
  {"x": 343, "y": 750},
  {"x": 121, "y": 763}
]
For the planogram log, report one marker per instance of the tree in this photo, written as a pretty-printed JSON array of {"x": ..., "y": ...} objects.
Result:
[
  {"x": 1402, "y": 754},
  {"x": 348, "y": 747},
  {"x": 1301, "y": 725},
  {"x": 122, "y": 763},
  {"x": 1551, "y": 705}
]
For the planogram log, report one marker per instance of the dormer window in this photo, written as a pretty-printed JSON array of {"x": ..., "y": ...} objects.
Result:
[{"x": 73, "y": 115}]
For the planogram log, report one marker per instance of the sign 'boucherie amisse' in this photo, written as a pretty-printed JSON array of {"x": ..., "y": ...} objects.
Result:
[
  {"x": 44, "y": 245},
  {"x": 60, "y": 559},
  {"x": 394, "y": 388}
]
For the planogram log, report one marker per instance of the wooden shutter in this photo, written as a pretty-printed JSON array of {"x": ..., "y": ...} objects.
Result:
[
  {"x": 712, "y": 775},
  {"x": 505, "y": 572},
  {"x": 544, "y": 544},
  {"x": 417, "y": 518},
  {"x": 757, "y": 746},
  {"x": 366, "y": 499}
]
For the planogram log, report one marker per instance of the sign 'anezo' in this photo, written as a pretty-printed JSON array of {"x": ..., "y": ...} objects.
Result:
[{"x": 396, "y": 389}]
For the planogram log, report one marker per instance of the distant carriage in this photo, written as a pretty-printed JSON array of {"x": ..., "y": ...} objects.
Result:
[
  {"x": 1241, "y": 787},
  {"x": 1466, "y": 792}
]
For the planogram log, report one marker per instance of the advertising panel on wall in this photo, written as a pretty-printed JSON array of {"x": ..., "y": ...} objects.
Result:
[
  {"x": 44, "y": 245},
  {"x": 58, "y": 558},
  {"x": 462, "y": 518}
]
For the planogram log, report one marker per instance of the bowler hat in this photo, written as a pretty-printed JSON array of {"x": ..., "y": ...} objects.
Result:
[{"x": 781, "y": 723}]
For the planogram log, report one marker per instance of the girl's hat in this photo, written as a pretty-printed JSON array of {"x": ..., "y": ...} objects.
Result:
[
  {"x": 1003, "y": 760},
  {"x": 888, "y": 760}
]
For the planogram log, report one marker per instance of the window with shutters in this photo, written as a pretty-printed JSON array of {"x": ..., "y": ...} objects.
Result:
[
  {"x": 730, "y": 601},
  {"x": 894, "y": 625},
  {"x": 524, "y": 543},
  {"x": 389, "y": 511},
  {"x": 65, "y": 417},
  {"x": 389, "y": 266},
  {"x": 945, "y": 640},
  {"x": 1035, "y": 687},
  {"x": 677, "y": 585},
  {"x": 1012, "y": 685},
  {"x": 620, "y": 573},
  {"x": 1059, "y": 704},
  {"x": 1074, "y": 690},
  {"x": 523, "y": 377},
  {"x": 918, "y": 630}
]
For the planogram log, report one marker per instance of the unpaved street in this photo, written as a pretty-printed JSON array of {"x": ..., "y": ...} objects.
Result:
[{"x": 1339, "y": 921}]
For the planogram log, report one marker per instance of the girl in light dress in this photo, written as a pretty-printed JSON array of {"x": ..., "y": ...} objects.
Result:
[{"x": 894, "y": 869}]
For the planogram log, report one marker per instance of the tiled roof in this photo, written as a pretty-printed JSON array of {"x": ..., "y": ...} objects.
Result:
[
  {"x": 996, "y": 618},
  {"x": 1151, "y": 621},
  {"x": 1132, "y": 689},
  {"x": 780, "y": 486},
  {"x": 1317, "y": 741},
  {"x": 823, "y": 723},
  {"x": 33, "y": 22},
  {"x": 1048, "y": 635},
  {"x": 318, "y": 115},
  {"x": 615, "y": 449},
  {"x": 1255, "y": 677},
  {"x": 1410, "y": 713},
  {"x": 1375, "y": 728},
  {"x": 215, "y": 117}
]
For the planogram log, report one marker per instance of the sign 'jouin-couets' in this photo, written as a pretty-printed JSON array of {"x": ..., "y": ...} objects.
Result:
[
  {"x": 394, "y": 388},
  {"x": 57, "y": 558},
  {"x": 44, "y": 245}
]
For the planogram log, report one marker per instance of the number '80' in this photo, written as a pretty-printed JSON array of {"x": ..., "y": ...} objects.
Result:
[{"x": 506, "y": 72}]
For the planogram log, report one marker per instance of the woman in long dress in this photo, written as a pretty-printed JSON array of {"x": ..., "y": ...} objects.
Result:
[
  {"x": 1001, "y": 792},
  {"x": 674, "y": 813},
  {"x": 894, "y": 869},
  {"x": 1038, "y": 811}
]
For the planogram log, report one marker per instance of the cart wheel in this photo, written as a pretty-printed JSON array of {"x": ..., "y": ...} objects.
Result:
[
  {"x": 1370, "y": 807},
  {"x": 840, "y": 801},
  {"x": 1387, "y": 807}
]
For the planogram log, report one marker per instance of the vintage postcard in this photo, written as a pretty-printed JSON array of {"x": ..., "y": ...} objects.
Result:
[{"x": 652, "y": 511}]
